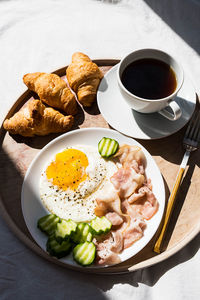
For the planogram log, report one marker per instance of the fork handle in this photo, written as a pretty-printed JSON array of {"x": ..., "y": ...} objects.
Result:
[{"x": 170, "y": 205}]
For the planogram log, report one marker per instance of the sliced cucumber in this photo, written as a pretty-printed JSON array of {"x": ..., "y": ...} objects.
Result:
[
  {"x": 82, "y": 234},
  {"x": 100, "y": 225},
  {"x": 48, "y": 223},
  {"x": 64, "y": 229},
  {"x": 84, "y": 253},
  {"x": 56, "y": 249},
  {"x": 107, "y": 147}
]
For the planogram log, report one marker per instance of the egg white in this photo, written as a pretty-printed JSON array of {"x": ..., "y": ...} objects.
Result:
[{"x": 79, "y": 204}]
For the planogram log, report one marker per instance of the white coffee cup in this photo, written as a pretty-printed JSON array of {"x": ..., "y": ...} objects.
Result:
[{"x": 157, "y": 105}]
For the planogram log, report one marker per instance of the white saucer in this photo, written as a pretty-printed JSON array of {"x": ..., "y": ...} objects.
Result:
[{"x": 137, "y": 125}]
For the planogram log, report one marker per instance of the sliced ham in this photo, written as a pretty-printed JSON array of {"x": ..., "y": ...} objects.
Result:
[
  {"x": 101, "y": 208},
  {"x": 107, "y": 257},
  {"x": 109, "y": 201},
  {"x": 117, "y": 244},
  {"x": 123, "y": 152},
  {"x": 131, "y": 210},
  {"x": 112, "y": 241},
  {"x": 134, "y": 232},
  {"x": 132, "y": 157},
  {"x": 148, "y": 184},
  {"x": 135, "y": 166},
  {"x": 114, "y": 218},
  {"x": 144, "y": 202},
  {"x": 103, "y": 242},
  {"x": 136, "y": 196},
  {"x": 126, "y": 181},
  {"x": 108, "y": 247}
]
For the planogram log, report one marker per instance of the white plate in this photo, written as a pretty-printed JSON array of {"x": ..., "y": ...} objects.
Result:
[
  {"x": 33, "y": 208},
  {"x": 137, "y": 125}
]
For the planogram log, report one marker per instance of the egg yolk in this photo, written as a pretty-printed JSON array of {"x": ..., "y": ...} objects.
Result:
[{"x": 68, "y": 169}]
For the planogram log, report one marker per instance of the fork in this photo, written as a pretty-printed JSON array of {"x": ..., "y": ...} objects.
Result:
[{"x": 190, "y": 143}]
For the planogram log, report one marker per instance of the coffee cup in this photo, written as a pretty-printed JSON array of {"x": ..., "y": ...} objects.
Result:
[{"x": 149, "y": 80}]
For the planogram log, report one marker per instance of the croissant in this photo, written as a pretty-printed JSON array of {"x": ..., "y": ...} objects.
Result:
[
  {"x": 37, "y": 119},
  {"x": 52, "y": 90},
  {"x": 84, "y": 77}
]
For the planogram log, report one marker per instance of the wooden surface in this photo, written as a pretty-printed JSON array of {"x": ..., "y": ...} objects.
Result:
[{"x": 17, "y": 152}]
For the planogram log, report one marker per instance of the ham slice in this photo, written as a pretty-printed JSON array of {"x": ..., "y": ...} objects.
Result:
[
  {"x": 148, "y": 184},
  {"x": 144, "y": 202},
  {"x": 107, "y": 257},
  {"x": 112, "y": 241},
  {"x": 109, "y": 201},
  {"x": 123, "y": 152},
  {"x": 136, "y": 196},
  {"x": 126, "y": 181},
  {"x": 108, "y": 248},
  {"x": 134, "y": 232},
  {"x": 131, "y": 157},
  {"x": 131, "y": 210},
  {"x": 114, "y": 218},
  {"x": 118, "y": 242},
  {"x": 136, "y": 227}
]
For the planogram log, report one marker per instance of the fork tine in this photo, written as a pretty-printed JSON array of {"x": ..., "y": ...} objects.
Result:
[
  {"x": 198, "y": 136},
  {"x": 192, "y": 126},
  {"x": 197, "y": 131},
  {"x": 188, "y": 129}
]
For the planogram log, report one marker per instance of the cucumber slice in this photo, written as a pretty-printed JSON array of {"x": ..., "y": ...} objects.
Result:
[
  {"x": 48, "y": 223},
  {"x": 82, "y": 234},
  {"x": 64, "y": 230},
  {"x": 56, "y": 249},
  {"x": 84, "y": 253},
  {"x": 100, "y": 225},
  {"x": 107, "y": 147}
]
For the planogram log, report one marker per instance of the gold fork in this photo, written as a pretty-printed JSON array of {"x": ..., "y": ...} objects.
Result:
[{"x": 190, "y": 143}]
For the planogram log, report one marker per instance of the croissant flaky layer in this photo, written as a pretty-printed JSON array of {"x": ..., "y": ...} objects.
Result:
[
  {"x": 84, "y": 77},
  {"x": 52, "y": 90},
  {"x": 37, "y": 119}
]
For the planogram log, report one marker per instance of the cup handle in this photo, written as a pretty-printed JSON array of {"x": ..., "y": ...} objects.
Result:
[{"x": 176, "y": 111}]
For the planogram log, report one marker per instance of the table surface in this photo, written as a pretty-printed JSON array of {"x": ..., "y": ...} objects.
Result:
[{"x": 41, "y": 36}]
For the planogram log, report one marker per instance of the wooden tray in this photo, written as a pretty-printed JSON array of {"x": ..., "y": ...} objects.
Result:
[{"x": 17, "y": 152}]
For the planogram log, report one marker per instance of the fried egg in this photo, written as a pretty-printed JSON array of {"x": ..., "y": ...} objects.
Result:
[{"x": 73, "y": 180}]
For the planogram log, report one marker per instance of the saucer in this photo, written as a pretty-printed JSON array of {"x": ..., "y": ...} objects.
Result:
[{"x": 121, "y": 117}]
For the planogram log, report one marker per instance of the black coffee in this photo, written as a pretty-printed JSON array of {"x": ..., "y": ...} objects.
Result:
[{"x": 149, "y": 78}]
